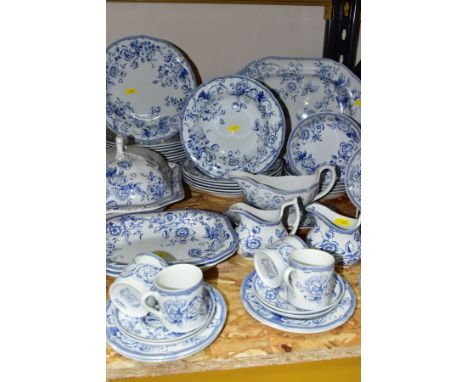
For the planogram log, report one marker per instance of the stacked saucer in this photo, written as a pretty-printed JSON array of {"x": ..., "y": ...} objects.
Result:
[
  {"x": 147, "y": 339},
  {"x": 220, "y": 187},
  {"x": 270, "y": 306}
]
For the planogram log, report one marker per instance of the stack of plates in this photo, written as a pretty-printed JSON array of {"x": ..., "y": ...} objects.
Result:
[
  {"x": 146, "y": 339},
  {"x": 324, "y": 138},
  {"x": 171, "y": 149},
  {"x": 220, "y": 187},
  {"x": 148, "y": 81},
  {"x": 271, "y": 307}
]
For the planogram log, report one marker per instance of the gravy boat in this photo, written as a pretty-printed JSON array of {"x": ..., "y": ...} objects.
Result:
[{"x": 269, "y": 192}]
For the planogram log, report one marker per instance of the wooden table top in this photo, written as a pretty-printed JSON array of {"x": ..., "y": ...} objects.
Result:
[{"x": 244, "y": 341}]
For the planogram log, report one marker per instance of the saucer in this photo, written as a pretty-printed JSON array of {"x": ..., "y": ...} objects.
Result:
[
  {"x": 336, "y": 317},
  {"x": 276, "y": 300},
  {"x": 171, "y": 351},
  {"x": 150, "y": 329}
]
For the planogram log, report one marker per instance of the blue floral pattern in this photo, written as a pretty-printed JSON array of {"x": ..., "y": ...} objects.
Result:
[
  {"x": 324, "y": 138},
  {"x": 332, "y": 319},
  {"x": 210, "y": 129},
  {"x": 159, "y": 71},
  {"x": 166, "y": 351},
  {"x": 191, "y": 236},
  {"x": 309, "y": 85},
  {"x": 346, "y": 252},
  {"x": 129, "y": 185},
  {"x": 353, "y": 179}
]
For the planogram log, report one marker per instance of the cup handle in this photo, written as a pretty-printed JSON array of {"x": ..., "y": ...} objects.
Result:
[
  {"x": 297, "y": 219},
  {"x": 287, "y": 279},
  {"x": 148, "y": 307},
  {"x": 330, "y": 185}
]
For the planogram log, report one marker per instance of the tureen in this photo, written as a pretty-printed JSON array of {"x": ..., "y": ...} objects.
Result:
[{"x": 139, "y": 179}]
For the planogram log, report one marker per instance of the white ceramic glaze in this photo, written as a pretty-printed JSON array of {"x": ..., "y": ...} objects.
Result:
[
  {"x": 135, "y": 280},
  {"x": 268, "y": 192},
  {"x": 137, "y": 178},
  {"x": 336, "y": 234},
  {"x": 177, "y": 298},
  {"x": 271, "y": 262},
  {"x": 310, "y": 279},
  {"x": 259, "y": 228}
]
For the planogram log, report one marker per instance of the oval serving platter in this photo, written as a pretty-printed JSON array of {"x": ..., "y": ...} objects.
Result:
[
  {"x": 309, "y": 85},
  {"x": 179, "y": 236},
  {"x": 148, "y": 81}
]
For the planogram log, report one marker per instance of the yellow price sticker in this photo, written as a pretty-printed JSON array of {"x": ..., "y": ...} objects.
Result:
[
  {"x": 130, "y": 91},
  {"x": 233, "y": 128},
  {"x": 162, "y": 255},
  {"x": 357, "y": 102},
  {"x": 341, "y": 222}
]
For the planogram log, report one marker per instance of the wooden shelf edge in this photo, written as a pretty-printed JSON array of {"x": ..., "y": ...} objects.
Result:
[{"x": 178, "y": 367}]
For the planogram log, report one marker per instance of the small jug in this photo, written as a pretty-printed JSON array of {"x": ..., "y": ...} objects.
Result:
[
  {"x": 259, "y": 228},
  {"x": 336, "y": 234}
]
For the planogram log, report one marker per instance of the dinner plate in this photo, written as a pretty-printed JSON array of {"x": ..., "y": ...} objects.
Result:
[
  {"x": 353, "y": 179},
  {"x": 324, "y": 138},
  {"x": 171, "y": 351},
  {"x": 309, "y": 85},
  {"x": 183, "y": 236},
  {"x": 232, "y": 123},
  {"x": 148, "y": 81},
  {"x": 336, "y": 317}
]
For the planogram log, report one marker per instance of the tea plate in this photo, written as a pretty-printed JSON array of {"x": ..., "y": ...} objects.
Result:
[
  {"x": 170, "y": 351},
  {"x": 184, "y": 236},
  {"x": 353, "y": 179},
  {"x": 150, "y": 329},
  {"x": 232, "y": 123},
  {"x": 148, "y": 81},
  {"x": 309, "y": 85},
  {"x": 336, "y": 317},
  {"x": 276, "y": 299},
  {"x": 325, "y": 138}
]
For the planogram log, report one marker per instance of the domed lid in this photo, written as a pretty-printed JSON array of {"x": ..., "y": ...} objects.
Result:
[{"x": 135, "y": 176}]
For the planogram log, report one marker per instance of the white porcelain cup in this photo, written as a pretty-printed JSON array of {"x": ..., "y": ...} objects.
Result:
[
  {"x": 271, "y": 262},
  {"x": 136, "y": 278},
  {"x": 177, "y": 298},
  {"x": 310, "y": 279}
]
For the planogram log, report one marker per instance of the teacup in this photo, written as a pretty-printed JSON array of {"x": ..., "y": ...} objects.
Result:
[
  {"x": 135, "y": 279},
  {"x": 271, "y": 262},
  {"x": 177, "y": 298},
  {"x": 310, "y": 279}
]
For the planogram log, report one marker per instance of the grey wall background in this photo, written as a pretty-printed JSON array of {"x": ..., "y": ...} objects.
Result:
[{"x": 223, "y": 38}]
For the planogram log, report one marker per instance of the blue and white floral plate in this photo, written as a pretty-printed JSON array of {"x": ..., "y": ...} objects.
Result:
[
  {"x": 353, "y": 179},
  {"x": 324, "y": 138},
  {"x": 309, "y": 85},
  {"x": 168, "y": 351},
  {"x": 232, "y": 123},
  {"x": 276, "y": 299},
  {"x": 148, "y": 81},
  {"x": 149, "y": 329},
  {"x": 336, "y": 317},
  {"x": 191, "y": 236}
]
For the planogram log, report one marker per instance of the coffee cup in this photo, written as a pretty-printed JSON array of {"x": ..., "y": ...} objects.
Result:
[
  {"x": 177, "y": 298},
  {"x": 310, "y": 279},
  {"x": 271, "y": 262},
  {"x": 134, "y": 280}
]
